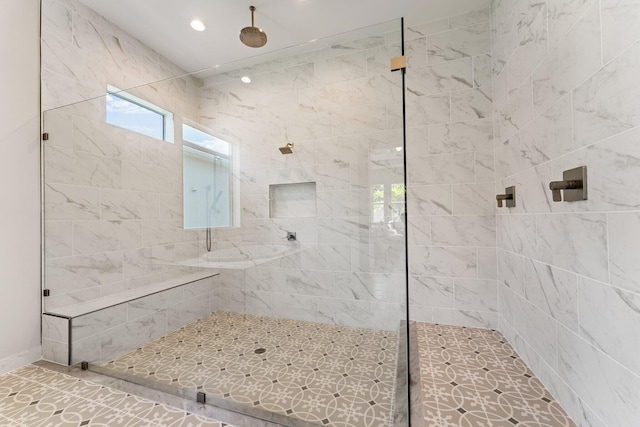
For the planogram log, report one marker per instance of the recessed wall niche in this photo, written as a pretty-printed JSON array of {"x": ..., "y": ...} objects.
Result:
[{"x": 292, "y": 200}]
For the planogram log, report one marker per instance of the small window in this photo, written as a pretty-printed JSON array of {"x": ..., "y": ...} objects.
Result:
[
  {"x": 207, "y": 169},
  {"x": 205, "y": 141},
  {"x": 388, "y": 203},
  {"x": 137, "y": 115}
]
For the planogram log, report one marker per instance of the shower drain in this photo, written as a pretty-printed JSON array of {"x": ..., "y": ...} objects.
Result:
[{"x": 260, "y": 350}]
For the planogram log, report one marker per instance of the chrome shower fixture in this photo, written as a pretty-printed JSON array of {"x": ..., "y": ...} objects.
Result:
[
  {"x": 253, "y": 36},
  {"x": 287, "y": 149}
]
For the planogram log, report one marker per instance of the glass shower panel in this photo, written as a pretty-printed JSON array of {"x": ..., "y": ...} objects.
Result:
[{"x": 254, "y": 256}]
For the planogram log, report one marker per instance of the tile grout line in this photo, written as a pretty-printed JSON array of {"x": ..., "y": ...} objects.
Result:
[{"x": 297, "y": 341}]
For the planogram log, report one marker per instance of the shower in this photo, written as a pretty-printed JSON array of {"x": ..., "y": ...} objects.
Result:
[
  {"x": 291, "y": 269},
  {"x": 253, "y": 36},
  {"x": 287, "y": 149}
]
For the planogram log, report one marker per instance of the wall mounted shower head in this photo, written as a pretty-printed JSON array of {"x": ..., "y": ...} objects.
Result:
[
  {"x": 253, "y": 36},
  {"x": 287, "y": 149}
]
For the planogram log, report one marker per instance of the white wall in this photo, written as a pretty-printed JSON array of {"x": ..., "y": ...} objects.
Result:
[
  {"x": 566, "y": 94},
  {"x": 19, "y": 184}
]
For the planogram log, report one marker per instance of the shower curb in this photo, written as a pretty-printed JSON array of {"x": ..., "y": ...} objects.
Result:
[
  {"x": 169, "y": 398},
  {"x": 415, "y": 380}
]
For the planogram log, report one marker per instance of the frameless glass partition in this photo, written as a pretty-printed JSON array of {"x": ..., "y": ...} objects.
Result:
[{"x": 239, "y": 244}]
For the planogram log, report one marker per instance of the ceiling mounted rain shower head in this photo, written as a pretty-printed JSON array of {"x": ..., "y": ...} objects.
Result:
[
  {"x": 253, "y": 36},
  {"x": 287, "y": 149}
]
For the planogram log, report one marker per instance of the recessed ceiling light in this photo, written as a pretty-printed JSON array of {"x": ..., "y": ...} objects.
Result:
[
  {"x": 245, "y": 79},
  {"x": 398, "y": 148},
  {"x": 197, "y": 25}
]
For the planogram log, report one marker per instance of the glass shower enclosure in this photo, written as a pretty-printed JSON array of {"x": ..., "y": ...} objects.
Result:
[{"x": 241, "y": 244}]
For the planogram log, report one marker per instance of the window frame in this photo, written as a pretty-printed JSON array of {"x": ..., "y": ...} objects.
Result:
[
  {"x": 234, "y": 184},
  {"x": 196, "y": 146},
  {"x": 168, "y": 122}
]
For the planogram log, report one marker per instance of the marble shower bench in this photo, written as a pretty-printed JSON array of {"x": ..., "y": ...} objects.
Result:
[{"x": 102, "y": 329}]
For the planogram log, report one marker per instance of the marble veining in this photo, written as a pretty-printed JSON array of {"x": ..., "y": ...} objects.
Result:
[
  {"x": 577, "y": 242},
  {"x": 606, "y": 386},
  {"x": 476, "y": 295},
  {"x": 567, "y": 298},
  {"x": 430, "y": 200},
  {"x": 532, "y": 46},
  {"x": 553, "y": 290},
  {"x": 578, "y": 54},
  {"x": 464, "y": 231},
  {"x": 623, "y": 310},
  {"x": 443, "y": 261},
  {"x": 472, "y": 104},
  {"x": 511, "y": 270},
  {"x": 445, "y": 77},
  {"x": 461, "y": 137},
  {"x": 436, "y": 291},
  {"x": 604, "y": 105},
  {"x": 459, "y": 43}
]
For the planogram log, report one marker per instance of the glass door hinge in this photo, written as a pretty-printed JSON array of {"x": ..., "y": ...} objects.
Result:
[
  {"x": 45, "y": 136},
  {"x": 398, "y": 63},
  {"x": 46, "y": 292}
]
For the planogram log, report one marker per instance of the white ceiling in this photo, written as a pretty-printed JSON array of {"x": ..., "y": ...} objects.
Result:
[{"x": 164, "y": 24}]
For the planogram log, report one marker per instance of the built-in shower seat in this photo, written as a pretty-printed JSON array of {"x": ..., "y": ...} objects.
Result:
[{"x": 99, "y": 330}]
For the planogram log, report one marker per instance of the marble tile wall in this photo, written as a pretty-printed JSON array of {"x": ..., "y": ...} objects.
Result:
[
  {"x": 565, "y": 95},
  {"x": 55, "y": 339},
  {"x": 450, "y": 151},
  {"x": 112, "y": 198},
  {"x": 103, "y": 335},
  {"x": 339, "y": 105},
  {"x": 106, "y": 334},
  {"x": 108, "y": 226},
  {"x": 82, "y": 52}
]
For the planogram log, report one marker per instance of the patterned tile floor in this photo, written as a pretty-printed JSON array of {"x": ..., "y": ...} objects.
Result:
[
  {"x": 325, "y": 374},
  {"x": 34, "y": 396},
  {"x": 474, "y": 378},
  {"x": 469, "y": 378}
]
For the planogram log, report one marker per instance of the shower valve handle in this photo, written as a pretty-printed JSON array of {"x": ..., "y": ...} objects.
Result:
[
  {"x": 509, "y": 197},
  {"x": 557, "y": 186},
  {"x": 573, "y": 186}
]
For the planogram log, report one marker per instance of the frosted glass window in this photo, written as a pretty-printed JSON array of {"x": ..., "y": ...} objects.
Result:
[
  {"x": 205, "y": 140},
  {"x": 207, "y": 178}
]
